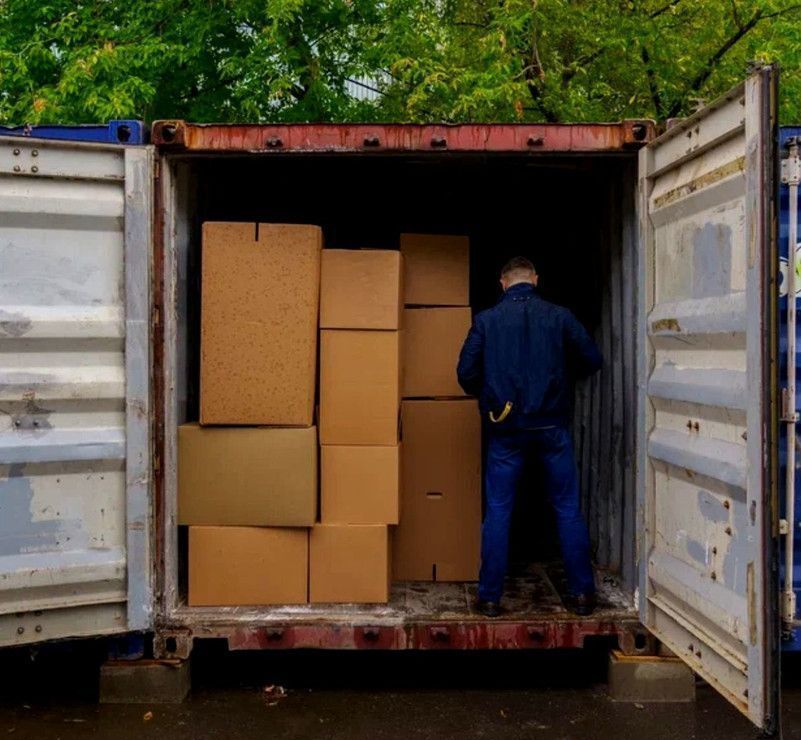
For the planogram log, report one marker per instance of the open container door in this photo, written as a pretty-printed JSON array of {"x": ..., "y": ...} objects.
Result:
[
  {"x": 75, "y": 243},
  {"x": 707, "y": 380}
]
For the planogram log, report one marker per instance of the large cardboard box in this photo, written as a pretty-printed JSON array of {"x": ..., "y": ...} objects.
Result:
[
  {"x": 439, "y": 534},
  {"x": 360, "y": 289},
  {"x": 432, "y": 340},
  {"x": 349, "y": 564},
  {"x": 259, "y": 307},
  {"x": 254, "y": 476},
  {"x": 231, "y": 566},
  {"x": 436, "y": 269},
  {"x": 359, "y": 387},
  {"x": 359, "y": 484}
]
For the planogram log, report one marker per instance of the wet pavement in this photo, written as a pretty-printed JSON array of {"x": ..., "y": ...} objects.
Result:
[{"x": 371, "y": 696}]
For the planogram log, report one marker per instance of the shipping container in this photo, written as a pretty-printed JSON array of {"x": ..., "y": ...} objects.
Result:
[
  {"x": 664, "y": 246},
  {"x": 113, "y": 132}
]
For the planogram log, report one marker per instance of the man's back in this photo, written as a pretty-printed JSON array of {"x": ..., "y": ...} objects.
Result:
[{"x": 526, "y": 351}]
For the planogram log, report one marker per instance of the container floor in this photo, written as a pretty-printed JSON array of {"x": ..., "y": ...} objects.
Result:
[{"x": 532, "y": 593}]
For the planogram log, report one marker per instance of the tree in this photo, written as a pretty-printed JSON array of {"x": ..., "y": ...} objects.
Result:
[
  {"x": 452, "y": 60},
  {"x": 257, "y": 60},
  {"x": 581, "y": 60}
]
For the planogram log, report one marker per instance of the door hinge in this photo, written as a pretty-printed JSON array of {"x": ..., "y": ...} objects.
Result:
[
  {"x": 784, "y": 528},
  {"x": 791, "y": 167},
  {"x": 789, "y": 414},
  {"x": 788, "y": 606}
]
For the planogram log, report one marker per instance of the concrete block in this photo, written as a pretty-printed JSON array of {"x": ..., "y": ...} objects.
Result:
[
  {"x": 649, "y": 678},
  {"x": 144, "y": 681}
]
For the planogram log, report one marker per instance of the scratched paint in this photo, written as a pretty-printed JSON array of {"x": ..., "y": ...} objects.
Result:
[
  {"x": 19, "y": 533},
  {"x": 711, "y": 260},
  {"x": 14, "y": 323}
]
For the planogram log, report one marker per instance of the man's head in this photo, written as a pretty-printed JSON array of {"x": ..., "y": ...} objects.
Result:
[{"x": 518, "y": 270}]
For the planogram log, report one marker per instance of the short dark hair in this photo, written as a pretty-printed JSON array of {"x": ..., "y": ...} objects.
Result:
[{"x": 518, "y": 263}]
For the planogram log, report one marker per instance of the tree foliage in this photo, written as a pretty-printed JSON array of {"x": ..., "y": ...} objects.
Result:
[{"x": 454, "y": 60}]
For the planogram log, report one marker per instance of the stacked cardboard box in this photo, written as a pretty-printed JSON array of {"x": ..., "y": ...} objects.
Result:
[
  {"x": 248, "y": 472},
  {"x": 247, "y": 475},
  {"x": 360, "y": 373},
  {"x": 438, "y": 537}
]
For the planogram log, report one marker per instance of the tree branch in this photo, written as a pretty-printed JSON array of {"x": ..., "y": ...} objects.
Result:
[
  {"x": 664, "y": 9},
  {"x": 783, "y": 11},
  {"x": 535, "y": 74},
  {"x": 572, "y": 70},
  {"x": 735, "y": 13},
  {"x": 709, "y": 66},
  {"x": 653, "y": 87}
]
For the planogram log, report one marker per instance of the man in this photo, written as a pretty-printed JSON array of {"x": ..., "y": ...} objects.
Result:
[{"x": 520, "y": 358}]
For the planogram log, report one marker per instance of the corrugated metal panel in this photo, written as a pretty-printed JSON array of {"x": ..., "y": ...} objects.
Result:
[
  {"x": 365, "y": 88},
  {"x": 74, "y": 382},
  {"x": 703, "y": 439},
  {"x": 114, "y": 132},
  {"x": 606, "y": 404}
]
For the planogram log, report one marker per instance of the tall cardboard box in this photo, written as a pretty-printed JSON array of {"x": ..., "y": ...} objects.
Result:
[
  {"x": 360, "y": 289},
  {"x": 360, "y": 376},
  {"x": 256, "y": 476},
  {"x": 349, "y": 564},
  {"x": 360, "y": 484},
  {"x": 248, "y": 566},
  {"x": 259, "y": 306},
  {"x": 439, "y": 535},
  {"x": 432, "y": 340},
  {"x": 436, "y": 269}
]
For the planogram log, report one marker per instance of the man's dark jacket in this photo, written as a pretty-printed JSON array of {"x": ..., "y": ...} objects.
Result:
[{"x": 527, "y": 351}]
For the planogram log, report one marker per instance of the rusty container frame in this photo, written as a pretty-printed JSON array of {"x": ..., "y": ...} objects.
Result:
[{"x": 177, "y": 627}]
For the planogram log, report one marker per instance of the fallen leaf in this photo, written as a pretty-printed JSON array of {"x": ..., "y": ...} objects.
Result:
[
  {"x": 639, "y": 706},
  {"x": 504, "y": 713},
  {"x": 148, "y": 716}
]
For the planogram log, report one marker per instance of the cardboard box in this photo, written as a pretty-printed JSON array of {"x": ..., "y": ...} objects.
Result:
[
  {"x": 432, "y": 340},
  {"x": 253, "y": 476},
  {"x": 231, "y": 566},
  {"x": 359, "y": 387},
  {"x": 436, "y": 269},
  {"x": 349, "y": 564},
  {"x": 439, "y": 535},
  {"x": 258, "y": 345},
  {"x": 359, "y": 485},
  {"x": 360, "y": 289}
]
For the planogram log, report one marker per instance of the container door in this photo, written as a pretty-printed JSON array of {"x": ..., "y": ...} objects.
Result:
[
  {"x": 75, "y": 234},
  {"x": 707, "y": 426}
]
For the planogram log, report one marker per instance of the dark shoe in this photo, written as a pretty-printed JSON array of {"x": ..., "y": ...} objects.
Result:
[
  {"x": 583, "y": 604},
  {"x": 489, "y": 609}
]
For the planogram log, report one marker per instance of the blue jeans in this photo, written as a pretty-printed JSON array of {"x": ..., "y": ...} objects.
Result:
[{"x": 506, "y": 457}]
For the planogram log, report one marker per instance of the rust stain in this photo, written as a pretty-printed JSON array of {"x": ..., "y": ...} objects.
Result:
[
  {"x": 534, "y": 138},
  {"x": 665, "y": 325},
  {"x": 752, "y": 607},
  {"x": 736, "y": 166}
]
